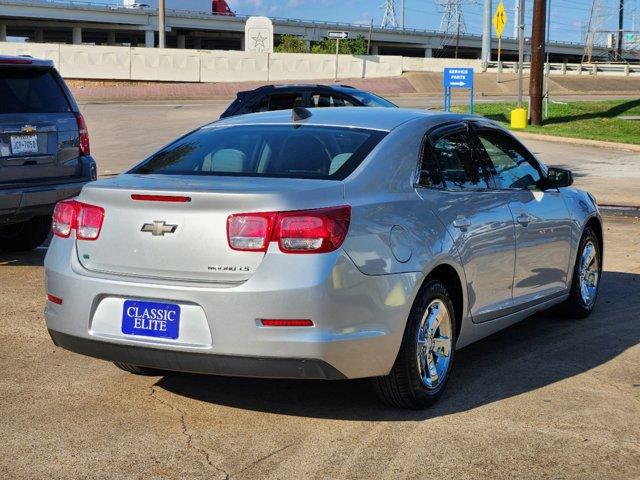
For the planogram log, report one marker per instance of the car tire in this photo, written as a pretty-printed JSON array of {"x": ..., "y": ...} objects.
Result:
[
  {"x": 25, "y": 236},
  {"x": 587, "y": 273},
  {"x": 136, "y": 370},
  {"x": 412, "y": 383}
]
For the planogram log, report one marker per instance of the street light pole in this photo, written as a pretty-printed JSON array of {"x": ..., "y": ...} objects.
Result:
[
  {"x": 486, "y": 32},
  {"x": 537, "y": 60},
  {"x": 161, "y": 23}
]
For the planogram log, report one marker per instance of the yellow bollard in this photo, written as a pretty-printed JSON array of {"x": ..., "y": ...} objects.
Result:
[{"x": 519, "y": 118}]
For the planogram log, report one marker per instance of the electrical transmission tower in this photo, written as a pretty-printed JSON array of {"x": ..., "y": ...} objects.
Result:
[
  {"x": 596, "y": 35},
  {"x": 389, "y": 20},
  {"x": 452, "y": 21}
]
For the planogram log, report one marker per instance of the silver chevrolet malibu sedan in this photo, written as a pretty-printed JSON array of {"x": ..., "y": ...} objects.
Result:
[{"x": 321, "y": 244}]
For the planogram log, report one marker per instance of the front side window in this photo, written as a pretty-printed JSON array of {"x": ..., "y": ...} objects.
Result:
[
  {"x": 451, "y": 161},
  {"x": 291, "y": 151},
  {"x": 512, "y": 166}
]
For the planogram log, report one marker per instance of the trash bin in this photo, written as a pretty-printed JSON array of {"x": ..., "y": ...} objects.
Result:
[{"x": 519, "y": 118}]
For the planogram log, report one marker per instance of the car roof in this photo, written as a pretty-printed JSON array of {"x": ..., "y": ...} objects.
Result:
[
  {"x": 24, "y": 61},
  {"x": 303, "y": 86},
  {"x": 375, "y": 118}
]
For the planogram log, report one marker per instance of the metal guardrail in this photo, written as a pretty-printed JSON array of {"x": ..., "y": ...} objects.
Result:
[{"x": 570, "y": 68}]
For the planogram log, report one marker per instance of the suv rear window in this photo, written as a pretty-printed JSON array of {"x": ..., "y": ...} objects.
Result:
[
  {"x": 291, "y": 151},
  {"x": 31, "y": 90}
]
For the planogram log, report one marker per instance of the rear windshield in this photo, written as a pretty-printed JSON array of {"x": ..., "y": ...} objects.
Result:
[
  {"x": 292, "y": 151},
  {"x": 30, "y": 90}
]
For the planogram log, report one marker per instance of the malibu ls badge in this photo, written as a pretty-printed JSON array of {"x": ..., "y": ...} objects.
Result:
[{"x": 158, "y": 228}]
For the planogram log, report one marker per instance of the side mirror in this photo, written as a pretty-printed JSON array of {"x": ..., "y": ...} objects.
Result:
[{"x": 559, "y": 177}]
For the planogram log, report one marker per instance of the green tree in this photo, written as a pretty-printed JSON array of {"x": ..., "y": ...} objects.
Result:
[
  {"x": 352, "y": 46},
  {"x": 291, "y": 44}
]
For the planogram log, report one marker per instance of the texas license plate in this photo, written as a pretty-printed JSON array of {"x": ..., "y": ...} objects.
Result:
[
  {"x": 21, "y": 144},
  {"x": 151, "y": 319}
]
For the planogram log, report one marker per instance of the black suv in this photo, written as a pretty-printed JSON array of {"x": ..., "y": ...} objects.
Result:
[
  {"x": 284, "y": 97},
  {"x": 44, "y": 150}
]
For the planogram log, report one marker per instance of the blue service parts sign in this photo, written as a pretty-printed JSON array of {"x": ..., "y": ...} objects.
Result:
[{"x": 458, "y": 77}]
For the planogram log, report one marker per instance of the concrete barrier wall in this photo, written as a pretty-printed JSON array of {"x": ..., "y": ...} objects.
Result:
[
  {"x": 181, "y": 65},
  {"x": 230, "y": 66},
  {"x": 165, "y": 64},
  {"x": 97, "y": 62},
  {"x": 47, "y": 51}
]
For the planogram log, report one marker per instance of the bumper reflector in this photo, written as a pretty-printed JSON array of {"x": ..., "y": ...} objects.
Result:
[
  {"x": 54, "y": 299},
  {"x": 271, "y": 322}
]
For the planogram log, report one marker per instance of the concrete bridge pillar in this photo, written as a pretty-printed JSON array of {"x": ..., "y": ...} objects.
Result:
[
  {"x": 111, "y": 37},
  {"x": 375, "y": 50},
  {"x": 149, "y": 38},
  {"x": 428, "y": 51},
  {"x": 39, "y": 35},
  {"x": 182, "y": 41},
  {"x": 3, "y": 32},
  {"x": 76, "y": 36},
  {"x": 197, "y": 43}
]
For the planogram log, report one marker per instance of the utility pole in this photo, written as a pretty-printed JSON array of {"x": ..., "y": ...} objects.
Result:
[
  {"x": 486, "y": 32},
  {"x": 520, "y": 21},
  {"x": 537, "y": 59},
  {"x": 402, "y": 13},
  {"x": 161, "y": 22},
  {"x": 369, "y": 40},
  {"x": 620, "y": 29}
]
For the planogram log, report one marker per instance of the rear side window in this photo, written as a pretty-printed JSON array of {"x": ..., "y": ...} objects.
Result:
[
  {"x": 31, "y": 91},
  {"x": 291, "y": 151},
  {"x": 454, "y": 163},
  {"x": 279, "y": 101}
]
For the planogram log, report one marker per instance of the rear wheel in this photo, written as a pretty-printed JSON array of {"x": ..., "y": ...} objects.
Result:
[
  {"x": 136, "y": 370},
  {"x": 586, "y": 278},
  {"x": 421, "y": 370},
  {"x": 21, "y": 237}
]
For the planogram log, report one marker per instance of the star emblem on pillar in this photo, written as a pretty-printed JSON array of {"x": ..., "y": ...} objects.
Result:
[{"x": 259, "y": 40}]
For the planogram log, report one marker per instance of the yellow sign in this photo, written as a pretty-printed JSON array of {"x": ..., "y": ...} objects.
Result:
[{"x": 500, "y": 19}]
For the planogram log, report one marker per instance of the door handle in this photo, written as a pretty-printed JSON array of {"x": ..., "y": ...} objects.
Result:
[
  {"x": 462, "y": 223},
  {"x": 524, "y": 219}
]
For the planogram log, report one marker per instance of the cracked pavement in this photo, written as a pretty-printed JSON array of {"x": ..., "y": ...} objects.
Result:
[{"x": 546, "y": 398}]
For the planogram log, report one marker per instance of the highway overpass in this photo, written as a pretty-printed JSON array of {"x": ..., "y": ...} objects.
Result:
[{"x": 85, "y": 22}]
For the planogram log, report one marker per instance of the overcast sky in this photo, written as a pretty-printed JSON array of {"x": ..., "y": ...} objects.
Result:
[{"x": 569, "y": 17}]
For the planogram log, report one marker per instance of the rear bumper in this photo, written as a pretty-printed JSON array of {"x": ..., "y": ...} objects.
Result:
[
  {"x": 358, "y": 320},
  {"x": 236, "y": 366},
  {"x": 22, "y": 202}
]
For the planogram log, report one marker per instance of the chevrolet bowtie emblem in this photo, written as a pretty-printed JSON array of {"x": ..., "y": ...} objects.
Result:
[{"x": 158, "y": 228}]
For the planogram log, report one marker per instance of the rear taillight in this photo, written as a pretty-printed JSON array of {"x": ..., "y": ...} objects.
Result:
[
  {"x": 305, "y": 231},
  {"x": 72, "y": 215},
  {"x": 83, "y": 134},
  {"x": 250, "y": 232}
]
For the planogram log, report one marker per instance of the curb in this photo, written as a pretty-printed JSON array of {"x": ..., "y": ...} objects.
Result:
[
  {"x": 629, "y": 147},
  {"x": 620, "y": 211}
]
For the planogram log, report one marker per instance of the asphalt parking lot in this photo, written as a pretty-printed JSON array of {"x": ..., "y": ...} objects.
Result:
[
  {"x": 122, "y": 134},
  {"x": 546, "y": 398}
]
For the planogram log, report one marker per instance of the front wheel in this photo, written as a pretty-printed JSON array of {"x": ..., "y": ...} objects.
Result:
[
  {"x": 421, "y": 370},
  {"x": 586, "y": 278},
  {"x": 137, "y": 370}
]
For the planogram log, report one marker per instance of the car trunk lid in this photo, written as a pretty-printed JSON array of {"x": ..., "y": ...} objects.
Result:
[{"x": 187, "y": 240}]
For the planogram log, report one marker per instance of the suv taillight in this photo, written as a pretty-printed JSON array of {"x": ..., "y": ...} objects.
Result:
[
  {"x": 305, "y": 231},
  {"x": 83, "y": 132},
  {"x": 85, "y": 219}
]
